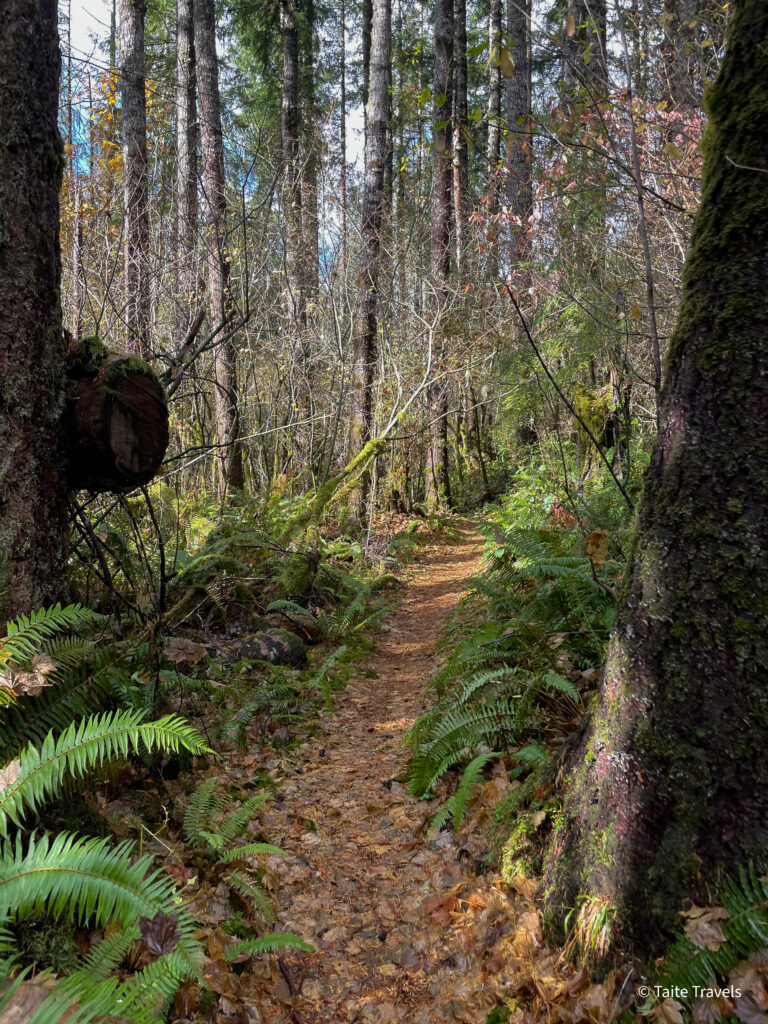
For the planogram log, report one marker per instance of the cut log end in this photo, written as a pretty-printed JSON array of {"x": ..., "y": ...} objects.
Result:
[{"x": 118, "y": 424}]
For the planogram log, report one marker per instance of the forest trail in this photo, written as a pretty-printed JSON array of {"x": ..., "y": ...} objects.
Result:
[{"x": 400, "y": 921}]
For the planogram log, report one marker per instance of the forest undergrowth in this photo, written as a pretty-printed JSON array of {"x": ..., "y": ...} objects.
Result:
[{"x": 287, "y": 783}]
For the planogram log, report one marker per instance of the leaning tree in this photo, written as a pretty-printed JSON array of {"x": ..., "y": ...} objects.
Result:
[
  {"x": 668, "y": 785},
  {"x": 33, "y": 510}
]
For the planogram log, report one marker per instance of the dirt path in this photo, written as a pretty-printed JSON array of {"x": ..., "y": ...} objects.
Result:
[{"x": 400, "y": 922}]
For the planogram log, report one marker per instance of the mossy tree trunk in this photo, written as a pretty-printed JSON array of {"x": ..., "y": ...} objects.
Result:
[
  {"x": 438, "y": 492},
  {"x": 33, "y": 511},
  {"x": 670, "y": 781}
]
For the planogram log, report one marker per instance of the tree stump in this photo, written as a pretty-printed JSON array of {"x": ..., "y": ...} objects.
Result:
[{"x": 117, "y": 420}]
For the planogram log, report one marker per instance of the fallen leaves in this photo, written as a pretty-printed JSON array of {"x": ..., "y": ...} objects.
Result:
[{"x": 702, "y": 926}]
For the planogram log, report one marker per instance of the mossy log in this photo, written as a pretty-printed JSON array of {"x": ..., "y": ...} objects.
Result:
[{"x": 117, "y": 420}]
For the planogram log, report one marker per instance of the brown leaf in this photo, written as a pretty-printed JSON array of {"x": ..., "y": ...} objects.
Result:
[
  {"x": 702, "y": 927},
  {"x": 570, "y": 25},
  {"x": 750, "y": 1008},
  {"x": 9, "y": 774},
  {"x": 709, "y": 1011},
  {"x": 527, "y": 887},
  {"x": 597, "y": 549},
  {"x": 181, "y": 649},
  {"x": 160, "y": 934},
  {"x": 668, "y": 1012},
  {"x": 29, "y": 683}
]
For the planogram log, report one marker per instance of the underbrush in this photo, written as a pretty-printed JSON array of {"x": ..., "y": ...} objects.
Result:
[
  {"x": 527, "y": 647},
  {"x": 186, "y": 607}
]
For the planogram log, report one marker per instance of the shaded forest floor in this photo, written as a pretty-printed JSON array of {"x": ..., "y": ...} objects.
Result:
[{"x": 406, "y": 927}]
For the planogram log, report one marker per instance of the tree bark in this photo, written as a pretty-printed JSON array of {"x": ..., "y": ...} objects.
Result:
[
  {"x": 669, "y": 784},
  {"x": 520, "y": 142},
  {"x": 295, "y": 296},
  {"x": 33, "y": 509},
  {"x": 438, "y": 490},
  {"x": 135, "y": 177},
  {"x": 460, "y": 132},
  {"x": 220, "y": 304},
  {"x": 364, "y": 355},
  {"x": 186, "y": 167},
  {"x": 494, "y": 135}
]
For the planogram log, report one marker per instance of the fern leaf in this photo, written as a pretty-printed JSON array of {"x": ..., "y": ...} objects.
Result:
[
  {"x": 273, "y": 942},
  {"x": 41, "y": 772},
  {"x": 250, "y": 850},
  {"x": 456, "y": 806}
]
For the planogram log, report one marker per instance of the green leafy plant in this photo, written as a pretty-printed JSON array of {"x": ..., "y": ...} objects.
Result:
[
  {"x": 91, "y": 880},
  {"x": 219, "y": 835}
]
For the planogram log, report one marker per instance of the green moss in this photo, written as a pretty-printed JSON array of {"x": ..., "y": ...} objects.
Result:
[
  {"x": 84, "y": 359},
  {"x": 124, "y": 366}
]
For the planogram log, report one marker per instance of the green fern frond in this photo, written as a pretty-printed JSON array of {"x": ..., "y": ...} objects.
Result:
[
  {"x": 205, "y": 804},
  {"x": 456, "y": 806},
  {"x": 252, "y": 892},
  {"x": 273, "y": 942},
  {"x": 80, "y": 878},
  {"x": 558, "y": 684},
  {"x": 26, "y": 635},
  {"x": 236, "y": 853},
  {"x": 41, "y": 771},
  {"x": 320, "y": 678},
  {"x": 233, "y": 825},
  {"x": 460, "y": 729}
]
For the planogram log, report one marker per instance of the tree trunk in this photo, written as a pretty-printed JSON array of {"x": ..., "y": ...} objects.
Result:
[
  {"x": 135, "y": 178},
  {"x": 343, "y": 143},
  {"x": 296, "y": 304},
  {"x": 494, "y": 135},
  {"x": 186, "y": 167},
  {"x": 220, "y": 305},
  {"x": 460, "y": 132},
  {"x": 438, "y": 491},
  {"x": 33, "y": 508},
  {"x": 669, "y": 784},
  {"x": 519, "y": 178},
  {"x": 364, "y": 353}
]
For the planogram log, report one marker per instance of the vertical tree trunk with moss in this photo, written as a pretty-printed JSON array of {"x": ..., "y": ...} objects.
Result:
[
  {"x": 438, "y": 492},
  {"x": 135, "y": 177},
  {"x": 364, "y": 342},
  {"x": 33, "y": 510},
  {"x": 670, "y": 781},
  {"x": 220, "y": 306}
]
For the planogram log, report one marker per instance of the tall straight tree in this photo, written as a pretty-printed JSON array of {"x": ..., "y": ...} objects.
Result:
[
  {"x": 135, "y": 175},
  {"x": 295, "y": 281},
  {"x": 494, "y": 130},
  {"x": 364, "y": 355},
  {"x": 438, "y": 488},
  {"x": 186, "y": 164},
  {"x": 519, "y": 139},
  {"x": 460, "y": 131},
  {"x": 220, "y": 305},
  {"x": 669, "y": 783},
  {"x": 33, "y": 507}
]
